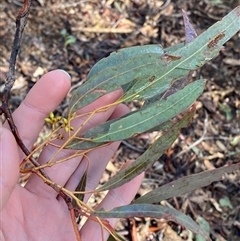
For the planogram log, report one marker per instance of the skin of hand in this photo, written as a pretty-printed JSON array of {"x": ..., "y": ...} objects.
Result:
[{"x": 34, "y": 212}]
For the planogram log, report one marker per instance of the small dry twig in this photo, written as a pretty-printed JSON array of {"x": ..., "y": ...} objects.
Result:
[{"x": 202, "y": 138}]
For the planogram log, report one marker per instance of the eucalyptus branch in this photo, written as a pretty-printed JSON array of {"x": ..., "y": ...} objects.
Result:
[{"x": 21, "y": 20}]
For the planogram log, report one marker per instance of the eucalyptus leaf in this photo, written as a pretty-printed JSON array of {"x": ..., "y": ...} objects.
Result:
[
  {"x": 195, "y": 54},
  {"x": 151, "y": 72},
  {"x": 153, "y": 211},
  {"x": 122, "y": 55},
  {"x": 204, "y": 224},
  {"x": 147, "y": 159},
  {"x": 81, "y": 186},
  {"x": 125, "y": 54},
  {"x": 70, "y": 40},
  {"x": 225, "y": 202},
  {"x": 119, "y": 238},
  {"x": 143, "y": 119},
  {"x": 185, "y": 184}
]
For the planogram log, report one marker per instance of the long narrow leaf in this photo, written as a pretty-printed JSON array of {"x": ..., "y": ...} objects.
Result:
[
  {"x": 185, "y": 184},
  {"x": 153, "y": 211},
  {"x": 147, "y": 159},
  {"x": 193, "y": 55},
  {"x": 118, "y": 70},
  {"x": 153, "y": 73},
  {"x": 123, "y": 55},
  {"x": 143, "y": 120}
]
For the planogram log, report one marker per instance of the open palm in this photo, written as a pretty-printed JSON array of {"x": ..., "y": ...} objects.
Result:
[{"x": 34, "y": 212}]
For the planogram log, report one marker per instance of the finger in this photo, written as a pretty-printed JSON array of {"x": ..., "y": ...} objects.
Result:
[
  {"x": 116, "y": 197},
  {"x": 98, "y": 161},
  {"x": 61, "y": 172},
  {"x": 9, "y": 165},
  {"x": 43, "y": 98}
]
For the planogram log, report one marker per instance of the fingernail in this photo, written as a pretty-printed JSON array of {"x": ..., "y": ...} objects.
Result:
[{"x": 66, "y": 73}]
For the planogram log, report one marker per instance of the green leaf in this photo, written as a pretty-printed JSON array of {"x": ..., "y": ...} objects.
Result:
[
  {"x": 235, "y": 140},
  {"x": 143, "y": 119},
  {"x": 81, "y": 186},
  {"x": 69, "y": 40},
  {"x": 228, "y": 111},
  {"x": 185, "y": 184},
  {"x": 152, "y": 211},
  {"x": 111, "y": 238},
  {"x": 114, "y": 77},
  {"x": 126, "y": 54},
  {"x": 193, "y": 55},
  {"x": 225, "y": 202},
  {"x": 147, "y": 159},
  {"x": 204, "y": 224},
  {"x": 122, "y": 55},
  {"x": 152, "y": 73},
  {"x": 64, "y": 32}
]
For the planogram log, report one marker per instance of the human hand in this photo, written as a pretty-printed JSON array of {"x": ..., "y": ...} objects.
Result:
[{"x": 34, "y": 213}]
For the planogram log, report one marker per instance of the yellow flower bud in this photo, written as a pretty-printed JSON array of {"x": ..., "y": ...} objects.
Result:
[
  {"x": 66, "y": 128},
  {"x": 51, "y": 115},
  {"x": 65, "y": 121},
  {"x": 48, "y": 120},
  {"x": 58, "y": 118}
]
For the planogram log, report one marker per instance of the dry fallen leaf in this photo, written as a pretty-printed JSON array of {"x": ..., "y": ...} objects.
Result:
[{"x": 171, "y": 235}]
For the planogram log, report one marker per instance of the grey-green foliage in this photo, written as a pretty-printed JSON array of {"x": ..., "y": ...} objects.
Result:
[{"x": 158, "y": 77}]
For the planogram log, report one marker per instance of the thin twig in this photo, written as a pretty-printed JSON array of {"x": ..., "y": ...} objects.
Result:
[
  {"x": 61, "y": 5},
  {"x": 72, "y": 214},
  {"x": 198, "y": 141},
  {"x": 102, "y": 30},
  {"x": 21, "y": 20},
  {"x": 134, "y": 148}
]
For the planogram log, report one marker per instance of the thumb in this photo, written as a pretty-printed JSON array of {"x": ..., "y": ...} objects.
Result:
[{"x": 9, "y": 165}]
